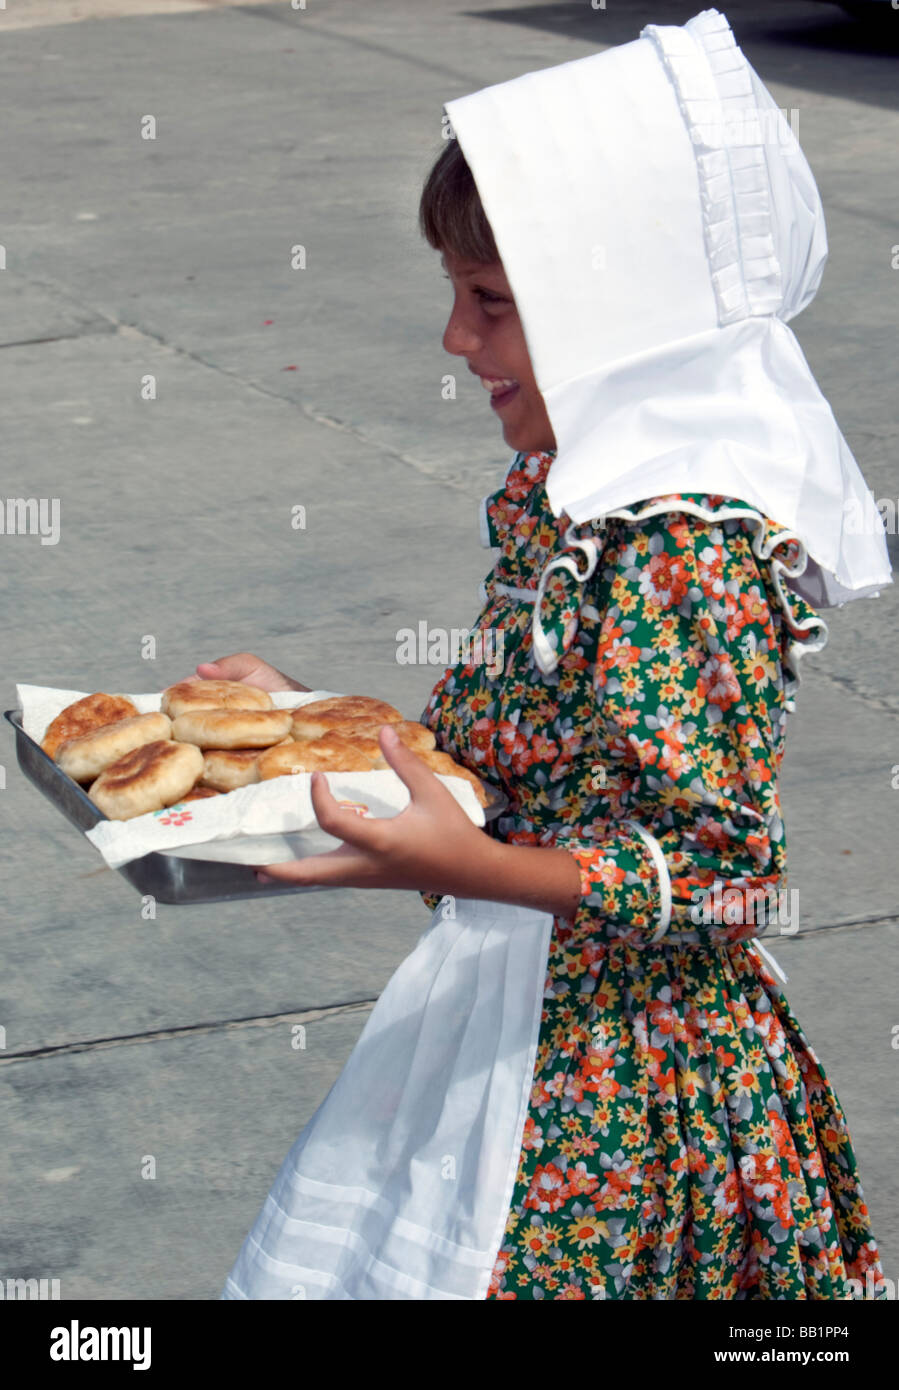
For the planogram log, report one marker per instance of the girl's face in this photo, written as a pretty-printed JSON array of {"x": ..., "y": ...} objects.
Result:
[{"x": 484, "y": 328}]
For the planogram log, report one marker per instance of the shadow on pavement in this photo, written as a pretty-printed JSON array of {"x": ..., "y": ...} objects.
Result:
[{"x": 817, "y": 46}]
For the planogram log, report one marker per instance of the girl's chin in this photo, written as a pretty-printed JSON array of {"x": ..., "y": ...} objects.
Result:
[
  {"x": 528, "y": 437},
  {"x": 527, "y": 442}
]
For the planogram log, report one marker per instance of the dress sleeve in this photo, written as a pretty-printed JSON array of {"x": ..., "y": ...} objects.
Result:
[{"x": 685, "y": 690}]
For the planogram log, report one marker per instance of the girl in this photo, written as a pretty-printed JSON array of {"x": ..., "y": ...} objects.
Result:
[{"x": 599, "y": 1090}]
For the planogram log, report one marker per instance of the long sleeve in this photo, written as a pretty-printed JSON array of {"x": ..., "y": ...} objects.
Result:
[{"x": 686, "y": 696}]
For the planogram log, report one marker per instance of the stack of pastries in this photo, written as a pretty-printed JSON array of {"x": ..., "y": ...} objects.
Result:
[{"x": 211, "y": 737}]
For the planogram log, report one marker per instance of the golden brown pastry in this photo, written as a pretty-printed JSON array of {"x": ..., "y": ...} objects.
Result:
[
  {"x": 411, "y": 733},
  {"x": 226, "y": 769},
  {"x": 365, "y": 744},
  {"x": 327, "y": 716},
  {"x": 329, "y": 754},
  {"x": 85, "y": 758},
  {"x": 232, "y": 728},
  {"x": 147, "y": 779},
  {"x": 192, "y": 695},
  {"x": 199, "y": 793},
  {"x": 89, "y": 713}
]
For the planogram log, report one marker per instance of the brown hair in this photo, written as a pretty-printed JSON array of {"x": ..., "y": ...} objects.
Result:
[{"x": 450, "y": 214}]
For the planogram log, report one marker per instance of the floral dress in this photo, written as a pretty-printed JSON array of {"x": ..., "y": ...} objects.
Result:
[{"x": 682, "y": 1140}]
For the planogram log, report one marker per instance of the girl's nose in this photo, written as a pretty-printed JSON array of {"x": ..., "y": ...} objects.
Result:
[{"x": 460, "y": 338}]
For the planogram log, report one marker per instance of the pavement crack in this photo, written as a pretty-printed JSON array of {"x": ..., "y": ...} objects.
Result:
[
  {"x": 864, "y": 214},
  {"x": 276, "y": 16},
  {"x": 868, "y": 697},
  {"x": 312, "y": 413},
  {"x": 189, "y": 1030},
  {"x": 879, "y": 919},
  {"x": 60, "y": 337},
  {"x": 110, "y": 324}
]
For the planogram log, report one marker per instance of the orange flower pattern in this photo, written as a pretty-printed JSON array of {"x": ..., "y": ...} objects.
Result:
[{"x": 682, "y": 1140}]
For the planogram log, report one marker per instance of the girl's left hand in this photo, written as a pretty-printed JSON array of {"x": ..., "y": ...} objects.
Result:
[{"x": 431, "y": 846}]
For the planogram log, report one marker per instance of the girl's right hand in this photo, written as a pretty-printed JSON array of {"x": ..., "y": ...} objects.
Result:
[{"x": 250, "y": 669}]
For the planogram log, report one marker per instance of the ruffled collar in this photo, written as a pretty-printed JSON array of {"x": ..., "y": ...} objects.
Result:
[{"x": 560, "y": 556}]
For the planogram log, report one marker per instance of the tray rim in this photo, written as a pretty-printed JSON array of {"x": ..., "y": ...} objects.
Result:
[{"x": 168, "y": 878}]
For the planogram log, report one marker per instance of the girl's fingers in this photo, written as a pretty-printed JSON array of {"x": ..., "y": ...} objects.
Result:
[
  {"x": 363, "y": 832},
  {"x": 364, "y": 857},
  {"x": 337, "y": 869},
  {"x": 417, "y": 776},
  {"x": 231, "y": 668},
  {"x": 244, "y": 666}
]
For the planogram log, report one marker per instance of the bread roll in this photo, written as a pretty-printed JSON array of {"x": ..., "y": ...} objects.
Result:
[
  {"x": 86, "y": 757},
  {"x": 226, "y": 769},
  {"x": 331, "y": 754},
  {"x": 199, "y": 792},
  {"x": 89, "y": 713},
  {"x": 327, "y": 716},
  {"x": 366, "y": 745},
  {"x": 232, "y": 728},
  {"x": 198, "y": 694},
  {"x": 147, "y": 779},
  {"x": 411, "y": 733}
]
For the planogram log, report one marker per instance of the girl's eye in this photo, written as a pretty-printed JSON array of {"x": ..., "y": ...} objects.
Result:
[{"x": 485, "y": 296}]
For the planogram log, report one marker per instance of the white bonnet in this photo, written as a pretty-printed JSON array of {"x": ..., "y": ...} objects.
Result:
[{"x": 659, "y": 225}]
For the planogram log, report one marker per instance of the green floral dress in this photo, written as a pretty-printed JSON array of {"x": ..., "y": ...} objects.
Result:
[{"x": 682, "y": 1140}]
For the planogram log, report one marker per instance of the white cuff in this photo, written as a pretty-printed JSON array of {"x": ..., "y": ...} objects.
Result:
[{"x": 658, "y": 859}]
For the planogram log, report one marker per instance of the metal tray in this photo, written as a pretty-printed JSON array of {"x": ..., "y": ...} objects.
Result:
[{"x": 167, "y": 877}]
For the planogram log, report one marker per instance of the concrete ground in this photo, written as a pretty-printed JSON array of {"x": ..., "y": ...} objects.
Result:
[{"x": 126, "y": 1038}]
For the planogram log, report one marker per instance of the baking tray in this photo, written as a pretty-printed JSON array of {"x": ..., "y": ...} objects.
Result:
[{"x": 167, "y": 877}]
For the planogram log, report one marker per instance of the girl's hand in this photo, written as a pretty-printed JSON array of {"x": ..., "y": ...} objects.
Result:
[
  {"x": 431, "y": 846},
  {"x": 252, "y": 670}
]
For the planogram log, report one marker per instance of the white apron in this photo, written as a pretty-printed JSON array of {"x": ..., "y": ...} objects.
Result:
[{"x": 400, "y": 1184}]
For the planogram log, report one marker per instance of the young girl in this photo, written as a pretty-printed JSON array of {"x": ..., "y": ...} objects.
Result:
[{"x": 599, "y": 1089}]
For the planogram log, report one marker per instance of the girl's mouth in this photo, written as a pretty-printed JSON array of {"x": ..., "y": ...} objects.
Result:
[{"x": 501, "y": 391}]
